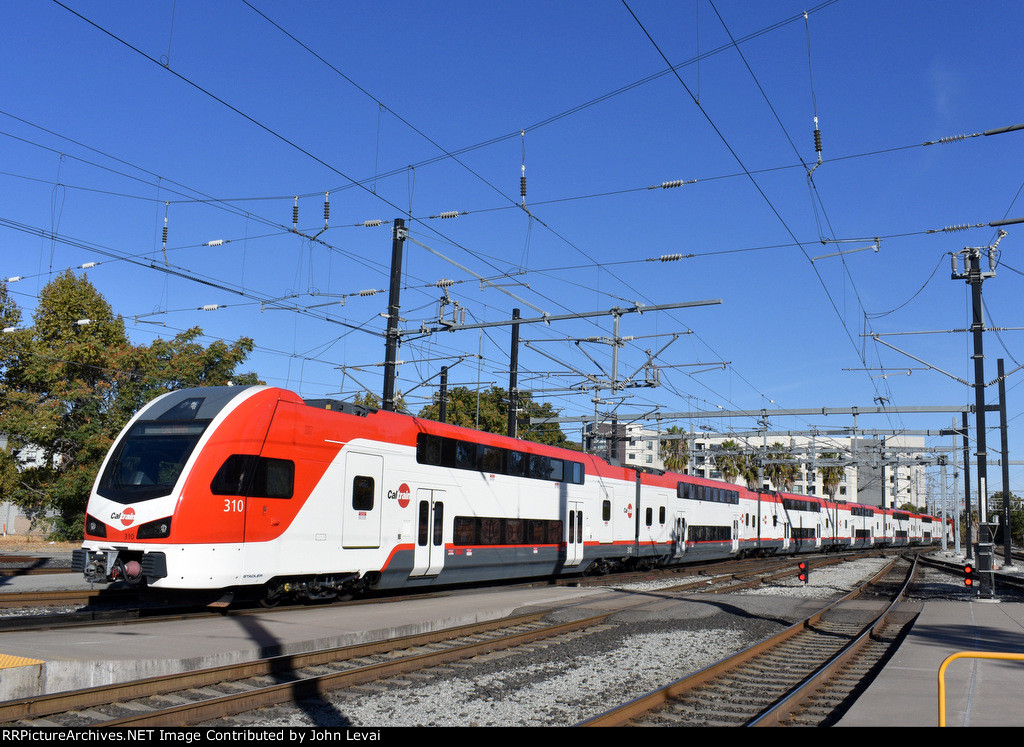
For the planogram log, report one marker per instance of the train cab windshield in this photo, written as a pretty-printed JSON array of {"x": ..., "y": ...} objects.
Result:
[{"x": 149, "y": 459}]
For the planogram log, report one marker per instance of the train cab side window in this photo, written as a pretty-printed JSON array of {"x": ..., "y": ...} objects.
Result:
[
  {"x": 254, "y": 476},
  {"x": 661, "y": 515},
  {"x": 275, "y": 478},
  {"x": 233, "y": 475},
  {"x": 362, "y": 493},
  {"x": 650, "y": 516},
  {"x": 606, "y": 510}
]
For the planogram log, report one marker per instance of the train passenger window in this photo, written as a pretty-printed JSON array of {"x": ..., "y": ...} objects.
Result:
[
  {"x": 540, "y": 467},
  {"x": 463, "y": 531},
  {"x": 492, "y": 459},
  {"x": 513, "y": 532},
  {"x": 606, "y": 510},
  {"x": 577, "y": 473},
  {"x": 556, "y": 469},
  {"x": 554, "y": 532},
  {"x": 535, "y": 532},
  {"x": 448, "y": 457},
  {"x": 516, "y": 463},
  {"x": 362, "y": 493},
  {"x": 428, "y": 449},
  {"x": 465, "y": 455},
  {"x": 490, "y": 531}
]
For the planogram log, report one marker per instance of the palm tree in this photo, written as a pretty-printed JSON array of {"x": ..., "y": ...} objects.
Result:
[
  {"x": 730, "y": 461},
  {"x": 675, "y": 452},
  {"x": 780, "y": 469},
  {"x": 832, "y": 474}
]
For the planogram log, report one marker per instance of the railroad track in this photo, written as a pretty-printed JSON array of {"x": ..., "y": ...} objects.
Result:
[
  {"x": 210, "y": 694},
  {"x": 801, "y": 676}
]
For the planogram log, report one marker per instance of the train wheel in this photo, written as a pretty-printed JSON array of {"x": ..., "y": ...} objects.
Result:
[{"x": 272, "y": 596}]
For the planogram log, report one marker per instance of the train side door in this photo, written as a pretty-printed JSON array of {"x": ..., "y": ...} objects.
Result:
[
  {"x": 574, "y": 533},
  {"x": 362, "y": 509},
  {"x": 605, "y": 526},
  {"x": 428, "y": 557}
]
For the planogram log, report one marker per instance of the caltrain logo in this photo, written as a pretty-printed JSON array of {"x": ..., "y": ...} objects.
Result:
[
  {"x": 127, "y": 516},
  {"x": 404, "y": 495},
  {"x": 629, "y": 510}
]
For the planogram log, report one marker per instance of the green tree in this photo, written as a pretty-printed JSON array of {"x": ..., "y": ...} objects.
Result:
[
  {"x": 487, "y": 411},
  {"x": 675, "y": 452},
  {"x": 72, "y": 381},
  {"x": 369, "y": 399},
  {"x": 995, "y": 507}
]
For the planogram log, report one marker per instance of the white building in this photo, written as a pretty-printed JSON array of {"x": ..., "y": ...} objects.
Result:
[
  {"x": 13, "y": 519},
  {"x": 865, "y": 473}
]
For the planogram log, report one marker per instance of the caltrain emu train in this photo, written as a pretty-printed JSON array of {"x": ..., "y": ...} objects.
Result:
[{"x": 226, "y": 493}]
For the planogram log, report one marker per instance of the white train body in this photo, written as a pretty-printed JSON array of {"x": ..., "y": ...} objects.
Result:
[{"x": 250, "y": 489}]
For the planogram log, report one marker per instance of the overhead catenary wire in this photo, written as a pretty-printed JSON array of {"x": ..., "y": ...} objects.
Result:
[{"x": 471, "y": 264}]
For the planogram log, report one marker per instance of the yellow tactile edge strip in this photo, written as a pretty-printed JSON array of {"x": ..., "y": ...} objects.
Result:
[{"x": 9, "y": 662}]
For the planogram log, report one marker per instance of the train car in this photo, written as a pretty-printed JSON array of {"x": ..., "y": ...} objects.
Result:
[{"x": 229, "y": 492}]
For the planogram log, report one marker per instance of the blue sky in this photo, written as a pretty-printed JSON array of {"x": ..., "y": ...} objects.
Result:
[{"x": 215, "y": 117}]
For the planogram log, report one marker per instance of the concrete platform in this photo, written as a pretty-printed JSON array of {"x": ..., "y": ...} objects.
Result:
[{"x": 978, "y": 692}]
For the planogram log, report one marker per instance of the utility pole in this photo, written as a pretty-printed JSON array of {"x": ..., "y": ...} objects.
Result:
[
  {"x": 1007, "y": 555},
  {"x": 393, "y": 335},
  {"x": 442, "y": 401},
  {"x": 974, "y": 277},
  {"x": 513, "y": 378}
]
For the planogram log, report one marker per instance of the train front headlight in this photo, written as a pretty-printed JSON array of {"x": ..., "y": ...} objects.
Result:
[
  {"x": 155, "y": 529},
  {"x": 95, "y": 527}
]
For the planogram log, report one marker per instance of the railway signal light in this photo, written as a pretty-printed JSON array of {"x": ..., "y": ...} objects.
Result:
[
  {"x": 969, "y": 577},
  {"x": 804, "y": 572}
]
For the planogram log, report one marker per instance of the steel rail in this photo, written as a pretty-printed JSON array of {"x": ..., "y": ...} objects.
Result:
[
  {"x": 651, "y": 701},
  {"x": 788, "y": 704},
  {"x": 41, "y": 706}
]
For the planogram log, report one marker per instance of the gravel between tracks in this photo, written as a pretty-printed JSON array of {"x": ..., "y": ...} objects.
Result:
[{"x": 560, "y": 685}]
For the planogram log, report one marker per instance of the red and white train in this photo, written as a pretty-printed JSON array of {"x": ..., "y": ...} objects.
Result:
[{"x": 225, "y": 492}]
